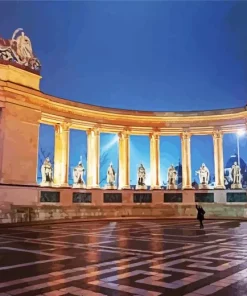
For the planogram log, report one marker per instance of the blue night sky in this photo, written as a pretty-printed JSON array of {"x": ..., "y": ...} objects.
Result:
[{"x": 148, "y": 55}]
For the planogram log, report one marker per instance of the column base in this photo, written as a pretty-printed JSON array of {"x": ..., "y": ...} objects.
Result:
[
  {"x": 65, "y": 185},
  {"x": 124, "y": 187},
  {"x": 187, "y": 187},
  {"x": 219, "y": 187},
  {"x": 156, "y": 187}
]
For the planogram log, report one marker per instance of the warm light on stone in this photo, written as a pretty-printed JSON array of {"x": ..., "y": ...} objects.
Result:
[
  {"x": 13, "y": 74},
  {"x": 23, "y": 107},
  {"x": 93, "y": 142},
  {"x": 155, "y": 160}
]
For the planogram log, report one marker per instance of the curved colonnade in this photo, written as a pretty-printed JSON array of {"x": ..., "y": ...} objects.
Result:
[
  {"x": 65, "y": 115},
  {"x": 24, "y": 107},
  {"x": 125, "y": 123}
]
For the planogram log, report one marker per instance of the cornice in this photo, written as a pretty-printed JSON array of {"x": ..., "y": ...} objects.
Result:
[{"x": 82, "y": 116}]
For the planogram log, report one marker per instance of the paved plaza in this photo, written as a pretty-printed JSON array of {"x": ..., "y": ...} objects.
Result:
[{"x": 145, "y": 257}]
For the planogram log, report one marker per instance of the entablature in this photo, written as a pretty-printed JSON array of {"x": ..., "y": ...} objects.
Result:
[{"x": 81, "y": 116}]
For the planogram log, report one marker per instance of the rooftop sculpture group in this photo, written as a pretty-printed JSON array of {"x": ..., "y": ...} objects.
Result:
[{"x": 19, "y": 50}]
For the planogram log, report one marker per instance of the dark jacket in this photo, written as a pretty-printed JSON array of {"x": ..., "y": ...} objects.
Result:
[{"x": 200, "y": 213}]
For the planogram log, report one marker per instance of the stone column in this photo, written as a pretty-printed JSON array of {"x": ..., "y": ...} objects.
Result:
[
  {"x": 61, "y": 155},
  {"x": 186, "y": 160},
  {"x": 218, "y": 159},
  {"x": 93, "y": 158},
  {"x": 124, "y": 167},
  {"x": 155, "y": 160}
]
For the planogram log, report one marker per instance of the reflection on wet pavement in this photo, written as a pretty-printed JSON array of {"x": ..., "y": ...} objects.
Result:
[{"x": 171, "y": 257}]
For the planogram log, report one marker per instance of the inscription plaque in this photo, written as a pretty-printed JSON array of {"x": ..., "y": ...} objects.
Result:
[
  {"x": 142, "y": 197},
  {"x": 204, "y": 197},
  {"x": 173, "y": 197},
  {"x": 82, "y": 197},
  {"x": 112, "y": 197},
  {"x": 49, "y": 196},
  {"x": 236, "y": 197}
]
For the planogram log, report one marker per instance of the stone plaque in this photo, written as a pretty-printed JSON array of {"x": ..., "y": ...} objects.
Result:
[
  {"x": 112, "y": 197},
  {"x": 82, "y": 197},
  {"x": 142, "y": 197},
  {"x": 173, "y": 197},
  {"x": 204, "y": 197},
  {"x": 49, "y": 196},
  {"x": 236, "y": 197}
]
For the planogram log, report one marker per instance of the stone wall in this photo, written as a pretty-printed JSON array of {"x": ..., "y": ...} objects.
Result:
[{"x": 25, "y": 204}]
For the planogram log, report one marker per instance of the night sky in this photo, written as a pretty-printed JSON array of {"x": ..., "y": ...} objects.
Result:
[{"x": 148, "y": 55}]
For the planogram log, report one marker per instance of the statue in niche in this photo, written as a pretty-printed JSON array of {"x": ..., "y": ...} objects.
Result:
[
  {"x": 111, "y": 177},
  {"x": 172, "y": 177},
  {"x": 141, "y": 176},
  {"x": 203, "y": 173},
  {"x": 78, "y": 174},
  {"x": 46, "y": 173},
  {"x": 236, "y": 176}
]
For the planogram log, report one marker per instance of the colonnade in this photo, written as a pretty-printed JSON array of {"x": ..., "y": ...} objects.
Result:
[{"x": 61, "y": 158}]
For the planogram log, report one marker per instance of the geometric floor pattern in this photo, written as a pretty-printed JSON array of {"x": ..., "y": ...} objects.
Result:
[{"x": 151, "y": 258}]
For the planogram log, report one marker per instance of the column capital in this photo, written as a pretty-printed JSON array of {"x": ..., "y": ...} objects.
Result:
[
  {"x": 93, "y": 131},
  {"x": 62, "y": 126},
  {"x": 185, "y": 135},
  {"x": 217, "y": 133},
  {"x": 58, "y": 128},
  {"x": 124, "y": 134},
  {"x": 66, "y": 125},
  {"x": 155, "y": 134}
]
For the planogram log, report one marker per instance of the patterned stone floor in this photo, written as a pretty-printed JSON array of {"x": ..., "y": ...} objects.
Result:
[{"x": 125, "y": 258}]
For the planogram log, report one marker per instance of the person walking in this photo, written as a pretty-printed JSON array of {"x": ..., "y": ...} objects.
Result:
[{"x": 200, "y": 215}]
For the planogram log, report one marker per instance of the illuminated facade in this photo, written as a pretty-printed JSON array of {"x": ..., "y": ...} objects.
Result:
[{"x": 24, "y": 107}]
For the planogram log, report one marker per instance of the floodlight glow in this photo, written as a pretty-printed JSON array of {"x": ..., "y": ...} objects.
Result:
[
  {"x": 110, "y": 144},
  {"x": 241, "y": 132}
]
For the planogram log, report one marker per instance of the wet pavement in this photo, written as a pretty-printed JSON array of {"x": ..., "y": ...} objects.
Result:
[{"x": 171, "y": 257}]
